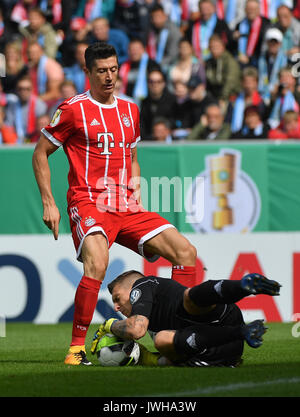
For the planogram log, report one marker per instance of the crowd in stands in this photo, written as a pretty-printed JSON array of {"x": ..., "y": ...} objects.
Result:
[{"x": 198, "y": 70}]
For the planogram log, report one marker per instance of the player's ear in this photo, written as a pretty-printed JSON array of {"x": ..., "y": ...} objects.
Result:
[{"x": 86, "y": 71}]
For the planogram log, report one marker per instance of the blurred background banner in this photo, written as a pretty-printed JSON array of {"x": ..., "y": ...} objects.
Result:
[
  {"x": 260, "y": 187},
  {"x": 39, "y": 276}
]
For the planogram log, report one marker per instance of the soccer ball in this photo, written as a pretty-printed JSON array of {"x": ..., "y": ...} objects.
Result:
[{"x": 113, "y": 351}]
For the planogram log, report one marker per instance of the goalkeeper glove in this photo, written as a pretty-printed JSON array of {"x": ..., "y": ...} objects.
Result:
[{"x": 100, "y": 332}]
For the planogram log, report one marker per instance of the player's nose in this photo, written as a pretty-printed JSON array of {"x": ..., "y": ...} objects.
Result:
[{"x": 109, "y": 75}]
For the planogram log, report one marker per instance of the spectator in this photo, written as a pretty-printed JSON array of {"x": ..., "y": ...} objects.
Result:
[
  {"x": 186, "y": 65},
  {"x": 3, "y": 96},
  {"x": 200, "y": 31},
  {"x": 163, "y": 38},
  {"x": 119, "y": 90},
  {"x": 249, "y": 96},
  {"x": 128, "y": 19},
  {"x": 23, "y": 113},
  {"x": 8, "y": 135},
  {"x": 159, "y": 102},
  {"x": 6, "y": 31},
  {"x": 290, "y": 28},
  {"x": 269, "y": 8},
  {"x": 199, "y": 98},
  {"x": 15, "y": 66},
  {"x": 253, "y": 128},
  {"x": 38, "y": 29},
  {"x": 212, "y": 126},
  {"x": 19, "y": 14},
  {"x": 287, "y": 97},
  {"x": 91, "y": 9},
  {"x": 80, "y": 29},
  {"x": 222, "y": 72},
  {"x": 58, "y": 12},
  {"x": 289, "y": 128},
  {"x": 182, "y": 112},
  {"x": 46, "y": 73},
  {"x": 79, "y": 33},
  {"x": 190, "y": 13},
  {"x": 67, "y": 89},
  {"x": 161, "y": 130},
  {"x": 270, "y": 63},
  {"x": 42, "y": 121},
  {"x": 134, "y": 71},
  {"x": 145, "y": 7},
  {"x": 173, "y": 9},
  {"x": 250, "y": 33},
  {"x": 230, "y": 11},
  {"x": 297, "y": 9},
  {"x": 76, "y": 73},
  {"x": 101, "y": 31}
]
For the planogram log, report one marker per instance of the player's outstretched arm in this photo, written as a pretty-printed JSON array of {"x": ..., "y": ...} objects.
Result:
[{"x": 51, "y": 216}]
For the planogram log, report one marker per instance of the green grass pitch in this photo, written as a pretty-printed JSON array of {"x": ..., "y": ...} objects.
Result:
[{"x": 31, "y": 365}]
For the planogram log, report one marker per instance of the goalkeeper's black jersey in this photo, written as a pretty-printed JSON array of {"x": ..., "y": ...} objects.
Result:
[{"x": 161, "y": 301}]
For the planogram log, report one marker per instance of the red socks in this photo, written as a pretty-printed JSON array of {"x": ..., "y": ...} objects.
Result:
[
  {"x": 86, "y": 298},
  {"x": 185, "y": 275}
]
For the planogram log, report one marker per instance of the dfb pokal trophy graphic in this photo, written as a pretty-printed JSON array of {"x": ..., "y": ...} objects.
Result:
[{"x": 222, "y": 179}]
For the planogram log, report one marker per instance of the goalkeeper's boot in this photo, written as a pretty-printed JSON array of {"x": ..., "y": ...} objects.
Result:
[
  {"x": 258, "y": 284},
  {"x": 253, "y": 333},
  {"x": 77, "y": 356}
]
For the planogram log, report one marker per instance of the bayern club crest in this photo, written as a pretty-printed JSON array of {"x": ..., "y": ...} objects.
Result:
[
  {"x": 89, "y": 221},
  {"x": 125, "y": 120}
]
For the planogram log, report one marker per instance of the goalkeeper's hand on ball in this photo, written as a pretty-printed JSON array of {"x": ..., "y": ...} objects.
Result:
[{"x": 100, "y": 332}]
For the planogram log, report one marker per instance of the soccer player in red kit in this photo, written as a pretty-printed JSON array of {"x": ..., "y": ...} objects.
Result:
[{"x": 99, "y": 133}]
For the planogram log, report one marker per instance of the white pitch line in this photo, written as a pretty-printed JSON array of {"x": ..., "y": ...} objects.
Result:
[{"x": 231, "y": 387}]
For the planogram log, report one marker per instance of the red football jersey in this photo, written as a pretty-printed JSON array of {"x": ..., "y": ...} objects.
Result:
[{"x": 97, "y": 140}]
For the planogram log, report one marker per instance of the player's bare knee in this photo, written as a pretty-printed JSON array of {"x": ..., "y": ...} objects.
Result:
[
  {"x": 95, "y": 268},
  {"x": 186, "y": 254},
  {"x": 163, "y": 340}
]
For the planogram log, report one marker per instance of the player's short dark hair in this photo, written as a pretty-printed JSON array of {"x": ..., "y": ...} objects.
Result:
[
  {"x": 98, "y": 50},
  {"x": 121, "y": 278}
]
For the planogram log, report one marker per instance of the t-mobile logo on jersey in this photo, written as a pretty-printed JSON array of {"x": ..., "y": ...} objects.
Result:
[{"x": 106, "y": 141}]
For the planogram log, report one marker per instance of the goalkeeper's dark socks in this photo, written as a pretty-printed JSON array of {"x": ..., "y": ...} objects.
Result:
[
  {"x": 195, "y": 339},
  {"x": 217, "y": 292},
  {"x": 185, "y": 275},
  {"x": 86, "y": 298}
]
